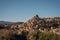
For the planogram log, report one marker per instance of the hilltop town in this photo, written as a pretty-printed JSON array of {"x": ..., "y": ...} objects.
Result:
[{"x": 24, "y": 30}]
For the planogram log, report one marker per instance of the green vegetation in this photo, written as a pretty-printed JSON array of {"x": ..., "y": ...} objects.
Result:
[
  {"x": 43, "y": 36},
  {"x": 48, "y": 36}
]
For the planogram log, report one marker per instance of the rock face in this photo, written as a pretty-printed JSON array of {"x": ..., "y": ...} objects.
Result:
[{"x": 38, "y": 23}]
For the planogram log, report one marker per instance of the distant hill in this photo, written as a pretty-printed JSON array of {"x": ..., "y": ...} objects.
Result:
[
  {"x": 17, "y": 23},
  {"x": 5, "y": 22}
]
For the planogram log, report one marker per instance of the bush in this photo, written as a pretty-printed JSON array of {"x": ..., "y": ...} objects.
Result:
[
  {"x": 31, "y": 35},
  {"x": 37, "y": 35},
  {"x": 48, "y": 36}
]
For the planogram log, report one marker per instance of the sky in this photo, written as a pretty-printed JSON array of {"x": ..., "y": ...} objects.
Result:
[{"x": 23, "y": 10}]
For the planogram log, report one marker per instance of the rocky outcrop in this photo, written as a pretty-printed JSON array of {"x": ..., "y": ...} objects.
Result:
[{"x": 38, "y": 23}]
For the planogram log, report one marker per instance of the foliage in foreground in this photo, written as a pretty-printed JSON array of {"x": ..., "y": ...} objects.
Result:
[
  {"x": 31, "y": 35},
  {"x": 37, "y": 35}
]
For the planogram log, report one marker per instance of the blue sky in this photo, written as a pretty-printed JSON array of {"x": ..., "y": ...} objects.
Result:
[{"x": 23, "y": 10}]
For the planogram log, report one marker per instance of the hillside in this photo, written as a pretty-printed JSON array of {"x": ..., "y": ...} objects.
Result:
[{"x": 34, "y": 29}]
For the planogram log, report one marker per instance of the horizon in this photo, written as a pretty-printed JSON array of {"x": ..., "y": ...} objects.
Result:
[
  {"x": 23, "y": 10},
  {"x": 26, "y": 20}
]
